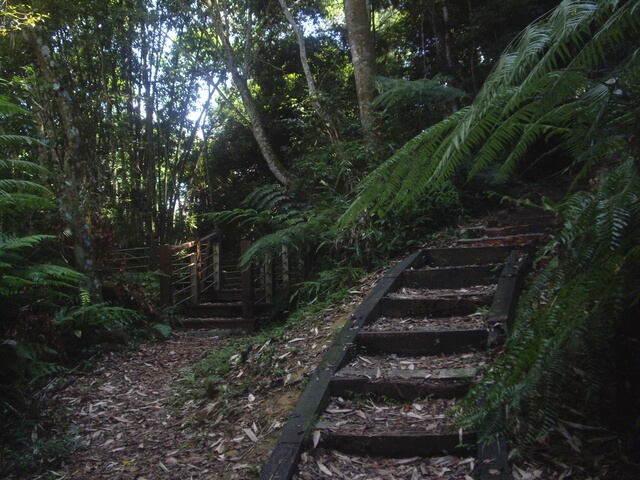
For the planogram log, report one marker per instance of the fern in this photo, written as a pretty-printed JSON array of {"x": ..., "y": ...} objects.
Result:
[
  {"x": 571, "y": 76},
  {"x": 568, "y": 316},
  {"x": 91, "y": 316},
  {"x": 406, "y": 93}
]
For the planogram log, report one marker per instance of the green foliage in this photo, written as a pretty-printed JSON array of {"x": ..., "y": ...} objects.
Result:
[
  {"x": 569, "y": 78},
  {"x": 564, "y": 335},
  {"x": 394, "y": 93},
  {"x": 332, "y": 281},
  {"x": 94, "y": 317}
]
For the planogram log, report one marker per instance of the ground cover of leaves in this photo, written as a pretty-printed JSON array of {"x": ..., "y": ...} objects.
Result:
[{"x": 143, "y": 414}]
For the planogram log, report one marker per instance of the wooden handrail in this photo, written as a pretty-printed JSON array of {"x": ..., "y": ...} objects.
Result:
[{"x": 185, "y": 267}]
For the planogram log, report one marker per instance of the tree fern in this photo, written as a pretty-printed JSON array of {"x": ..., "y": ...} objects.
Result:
[{"x": 564, "y": 77}]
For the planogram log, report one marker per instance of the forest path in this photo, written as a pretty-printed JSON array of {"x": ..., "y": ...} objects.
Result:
[
  {"x": 123, "y": 419},
  {"x": 133, "y": 415}
]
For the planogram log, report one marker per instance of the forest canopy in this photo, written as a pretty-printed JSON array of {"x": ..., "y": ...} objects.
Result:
[{"x": 328, "y": 127}]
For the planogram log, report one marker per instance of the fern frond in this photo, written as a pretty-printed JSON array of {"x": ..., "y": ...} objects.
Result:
[
  {"x": 569, "y": 314},
  {"x": 556, "y": 80}
]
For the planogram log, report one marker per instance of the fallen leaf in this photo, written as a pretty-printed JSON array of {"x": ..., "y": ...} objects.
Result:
[
  {"x": 316, "y": 438},
  {"x": 250, "y": 434},
  {"x": 324, "y": 469}
]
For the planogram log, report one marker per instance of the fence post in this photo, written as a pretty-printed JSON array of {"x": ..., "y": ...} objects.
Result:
[
  {"x": 268, "y": 280},
  {"x": 166, "y": 277},
  {"x": 215, "y": 260},
  {"x": 194, "y": 270},
  {"x": 285, "y": 267},
  {"x": 247, "y": 284}
]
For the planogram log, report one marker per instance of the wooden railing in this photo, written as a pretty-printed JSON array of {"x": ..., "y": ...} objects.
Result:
[
  {"x": 188, "y": 270},
  {"x": 193, "y": 269}
]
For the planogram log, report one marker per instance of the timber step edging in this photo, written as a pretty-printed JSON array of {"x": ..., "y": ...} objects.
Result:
[
  {"x": 218, "y": 322},
  {"x": 426, "y": 342},
  {"x": 285, "y": 456}
]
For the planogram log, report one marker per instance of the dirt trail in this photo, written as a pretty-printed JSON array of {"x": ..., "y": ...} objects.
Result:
[{"x": 129, "y": 420}]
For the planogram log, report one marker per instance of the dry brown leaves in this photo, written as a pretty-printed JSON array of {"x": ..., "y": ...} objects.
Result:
[
  {"x": 403, "y": 324},
  {"x": 322, "y": 464},
  {"x": 369, "y": 417},
  {"x": 129, "y": 418}
]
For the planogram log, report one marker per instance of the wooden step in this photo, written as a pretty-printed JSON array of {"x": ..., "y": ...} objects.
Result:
[
  {"x": 400, "y": 444},
  {"x": 219, "y": 309},
  {"x": 417, "y": 428},
  {"x": 222, "y": 296},
  {"x": 534, "y": 228},
  {"x": 218, "y": 322},
  {"x": 402, "y": 384},
  {"x": 453, "y": 277},
  {"x": 436, "y": 307},
  {"x": 423, "y": 342},
  {"x": 528, "y": 240},
  {"x": 523, "y": 218},
  {"x": 464, "y": 256}
]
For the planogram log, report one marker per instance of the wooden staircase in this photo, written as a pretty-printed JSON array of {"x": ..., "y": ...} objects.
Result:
[
  {"x": 213, "y": 290},
  {"x": 411, "y": 350}
]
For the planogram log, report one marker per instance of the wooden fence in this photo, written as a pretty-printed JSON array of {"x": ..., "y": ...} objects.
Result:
[{"x": 197, "y": 272}]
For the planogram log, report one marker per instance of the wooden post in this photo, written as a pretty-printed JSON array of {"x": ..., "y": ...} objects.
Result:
[
  {"x": 285, "y": 267},
  {"x": 166, "y": 277},
  {"x": 193, "y": 279},
  {"x": 215, "y": 261},
  {"x": 247, "y": 284},
  {"x": 268, "y": 280}
]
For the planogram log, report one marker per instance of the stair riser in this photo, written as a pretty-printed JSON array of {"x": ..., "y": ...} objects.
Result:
[
  {"x": 398, "y": 390},
  {"x": 457, "y": 277},
  {"x": 401, "y": 446},
  {"x": 422, "y": 343},
  {"x": 437, "y": 307}
]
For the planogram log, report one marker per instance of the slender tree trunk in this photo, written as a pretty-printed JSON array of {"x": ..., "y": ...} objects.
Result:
[
  {"x": 363, "y": 57},
  {"x": 255, "y": 117},
  {"x": 451, "y": 67},
  {"x": 75, "y": 208},
  {"x": 311, "y": 85}
]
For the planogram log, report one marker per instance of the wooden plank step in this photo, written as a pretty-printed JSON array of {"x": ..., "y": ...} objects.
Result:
[
  {"x": 436, "y": 307},
  {"x": 462, "y": 256},
  {"x": 452, "y": 277},
  {"x": 402, "y": 384},
  {"x": 418, "y": 428},
  {"x": 401, "y": 444},
  {"x": 523, "y": 218},
  {"x": 423, "y": 342},
  {"x": 218, "y": 322},
  {"x": 231, "y": 295},
  {"x": 210, "y": 310},
  {"x": 529, "y": 239},
  {"x": 533, "y": 228},
  {"x": 473, "y": 321}
]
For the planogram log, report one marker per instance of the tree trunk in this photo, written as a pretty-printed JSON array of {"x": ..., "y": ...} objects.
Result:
[
  {"x": 255, "y": 117},
  {"x": 363, "y": 57},
  {"x": 74, "y": 201},
  {"x": 311, "y": 85}
]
